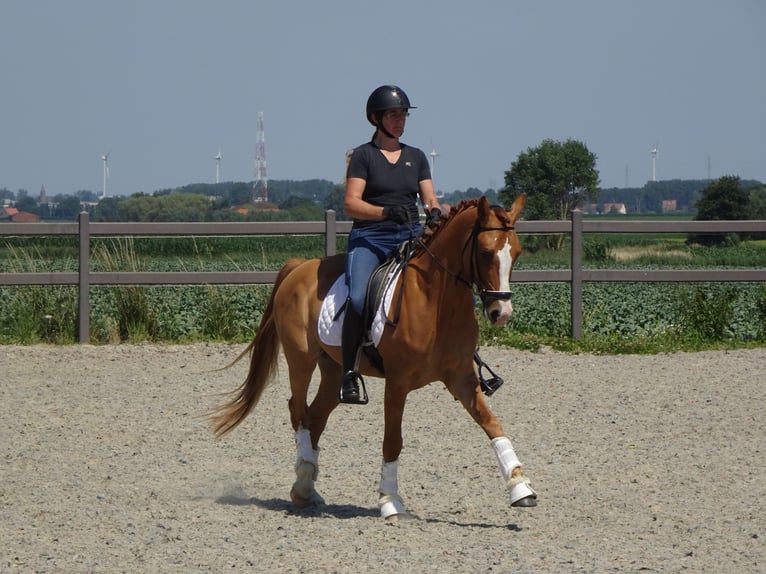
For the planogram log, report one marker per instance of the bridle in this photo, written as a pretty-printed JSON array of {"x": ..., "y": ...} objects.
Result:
[{"x": 486, "y": 295}]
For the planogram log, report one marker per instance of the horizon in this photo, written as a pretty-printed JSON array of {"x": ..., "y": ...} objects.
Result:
[{"x": 755, "y": 182}]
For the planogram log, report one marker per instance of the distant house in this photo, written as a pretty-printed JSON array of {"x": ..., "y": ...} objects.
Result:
[
  {"x": 669, "y": 205},
  {"x": 25, "y": 217},
  {"x": 6, "y": 213},
  {"x": 615, "y": 208}
]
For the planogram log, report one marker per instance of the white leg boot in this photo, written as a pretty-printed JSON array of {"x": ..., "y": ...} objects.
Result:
[
  {"x": 390, "y": 502},
  {"x": 519, "y": 488},
  {"x": 303, "y": 492}
]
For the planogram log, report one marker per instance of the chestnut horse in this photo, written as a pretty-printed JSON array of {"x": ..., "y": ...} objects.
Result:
[{"x": 474, "y": 247}]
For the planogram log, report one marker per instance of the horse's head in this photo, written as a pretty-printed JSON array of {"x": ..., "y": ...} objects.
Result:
[
  {"x": 477, "y": 245},
  {"x": 494, "y": 248}
]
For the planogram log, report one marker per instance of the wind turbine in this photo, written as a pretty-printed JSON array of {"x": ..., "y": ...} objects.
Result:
[
  {"x": 105, "y": 159},
  {"x": 217, "y": 159},
  {"x": 433, "y": 155},
  {"x": 654, "y": 163}
]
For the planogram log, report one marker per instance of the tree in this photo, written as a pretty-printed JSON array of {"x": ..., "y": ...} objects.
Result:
[
  {"x": 108, "y": 209},
  {"x": 67, "y": 206},
  {"x": 302, "y": 209},
  {"x": 724, "y": 199},
  {"x": 557, "y": 177},
  {"x": 26, "y": 203},
  {"x": 758, "y": 209},
  {"x": 334, "y": 200},
  {"x": 758, "y": 203}
]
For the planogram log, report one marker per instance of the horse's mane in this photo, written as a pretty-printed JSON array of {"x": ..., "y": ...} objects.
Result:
[
  {"x": 464, "y": 205},
  {"x": 430, "y": 233}
]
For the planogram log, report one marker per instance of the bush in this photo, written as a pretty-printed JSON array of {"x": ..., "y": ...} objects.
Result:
[
  {"x": 760, "y": 306},
  {"x": 706, "y": 312},
  {"x": 596, "y": 250}
]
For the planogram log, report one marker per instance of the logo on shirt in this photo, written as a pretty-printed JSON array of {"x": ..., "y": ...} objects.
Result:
[{"x": 408, "y": 163}]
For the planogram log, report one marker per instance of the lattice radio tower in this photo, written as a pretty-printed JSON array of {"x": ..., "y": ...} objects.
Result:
[{"x": 261, "y": 185}]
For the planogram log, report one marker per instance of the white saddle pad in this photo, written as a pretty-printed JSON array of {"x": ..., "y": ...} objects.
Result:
[{"x": 330, "y": 330}]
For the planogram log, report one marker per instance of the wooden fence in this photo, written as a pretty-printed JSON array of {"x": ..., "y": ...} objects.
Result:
[{"x": 330, "y": 228}]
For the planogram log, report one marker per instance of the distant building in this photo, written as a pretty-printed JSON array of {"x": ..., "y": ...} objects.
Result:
[
  {"x": 25, "y": 217},
  {"x": 615, "y": 208},
  {"x": 7, "y": 212},
  {"x": 669, "y": 205},
  {"x": 605, "y": 208}
]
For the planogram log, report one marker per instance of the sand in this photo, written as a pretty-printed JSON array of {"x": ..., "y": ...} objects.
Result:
[{"x": 642, "y": 464}]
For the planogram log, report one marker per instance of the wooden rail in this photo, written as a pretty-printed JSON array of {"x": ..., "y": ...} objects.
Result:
[{"x": 330, "y": 227}]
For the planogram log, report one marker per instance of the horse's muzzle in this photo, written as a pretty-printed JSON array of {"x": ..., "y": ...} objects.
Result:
[{"x": 497, "y": 307}]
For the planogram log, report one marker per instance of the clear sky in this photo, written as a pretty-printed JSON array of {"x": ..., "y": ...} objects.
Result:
[{"x": 162, "y": 85}]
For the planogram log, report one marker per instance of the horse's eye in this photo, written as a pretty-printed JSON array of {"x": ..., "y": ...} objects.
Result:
[{"x": 486, "y": 256}]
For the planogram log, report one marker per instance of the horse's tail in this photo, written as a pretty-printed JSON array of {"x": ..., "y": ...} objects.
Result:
[{"x": 264, "y": 353}]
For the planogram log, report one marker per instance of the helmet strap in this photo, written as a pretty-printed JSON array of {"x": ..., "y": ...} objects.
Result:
[{"x": 379, "y": 126}]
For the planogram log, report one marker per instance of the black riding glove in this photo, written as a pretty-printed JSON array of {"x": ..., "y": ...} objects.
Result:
[
  {"x": 397, "y": 213},
  {"x": 433, "y": 217}
]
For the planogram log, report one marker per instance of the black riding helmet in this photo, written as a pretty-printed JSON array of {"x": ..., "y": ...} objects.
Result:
[{"x": 386, "y": 98}]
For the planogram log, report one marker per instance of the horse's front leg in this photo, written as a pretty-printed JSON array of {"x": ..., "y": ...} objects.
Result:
[
  {"x": 389, "y": 501},
  {"x": 470, "y": 396}
]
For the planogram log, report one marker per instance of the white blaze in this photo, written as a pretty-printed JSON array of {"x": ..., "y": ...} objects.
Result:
[
  {"x": 502, "y": 308},
  {"x": 506, "y": 262}
]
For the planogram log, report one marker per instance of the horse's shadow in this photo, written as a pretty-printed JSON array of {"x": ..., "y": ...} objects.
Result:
[{"x": 342, "y": 511}]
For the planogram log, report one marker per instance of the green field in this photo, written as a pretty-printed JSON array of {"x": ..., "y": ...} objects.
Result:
[{"x": 618, "y": 317}]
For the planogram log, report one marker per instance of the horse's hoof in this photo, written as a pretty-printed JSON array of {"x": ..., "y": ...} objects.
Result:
[
  {"x": 526, "y": 502},
  {"x": 313, "y": 499},
  {"x": 521, "y": 492},
  {"x": 391, "y": 506}
]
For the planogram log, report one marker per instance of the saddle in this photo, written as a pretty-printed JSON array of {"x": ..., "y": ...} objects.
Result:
[{"x": 379, "y": 282}]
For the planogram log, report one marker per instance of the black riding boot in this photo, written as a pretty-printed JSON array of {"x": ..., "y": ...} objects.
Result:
[{"x": 351, "y": 339}]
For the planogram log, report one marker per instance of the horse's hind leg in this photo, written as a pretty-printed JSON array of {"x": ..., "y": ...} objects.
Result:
[
  {"x": 303, "y": 492},
  {"x": 309, "y": 423},
  {"x": 326, "y": 398}
]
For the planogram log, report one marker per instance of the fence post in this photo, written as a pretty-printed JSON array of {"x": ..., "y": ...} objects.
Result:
[
  {"x": 329, "y": 232},
  {"x": 576, "y": 285},
  {"x": 83, "y": 284}
]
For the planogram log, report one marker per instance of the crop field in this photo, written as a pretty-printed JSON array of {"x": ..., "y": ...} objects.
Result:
[{"x": 617, "y": 316}]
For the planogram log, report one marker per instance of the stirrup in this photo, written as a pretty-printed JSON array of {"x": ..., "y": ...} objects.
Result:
[
  {"x": 490, "y": 385},
  {"x": 355, "y": 381}
]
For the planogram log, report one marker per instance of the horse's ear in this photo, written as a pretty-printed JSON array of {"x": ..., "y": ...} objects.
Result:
[
  {"x": 518, "y": 205},
  {"x": 484, "y": 208}
]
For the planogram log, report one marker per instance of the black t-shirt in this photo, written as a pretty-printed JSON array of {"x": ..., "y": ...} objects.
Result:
[{"x": 389, "y": 183}]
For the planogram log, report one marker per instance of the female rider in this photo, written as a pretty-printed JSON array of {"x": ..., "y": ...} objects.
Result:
[{"x": 384, "y": 180}]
